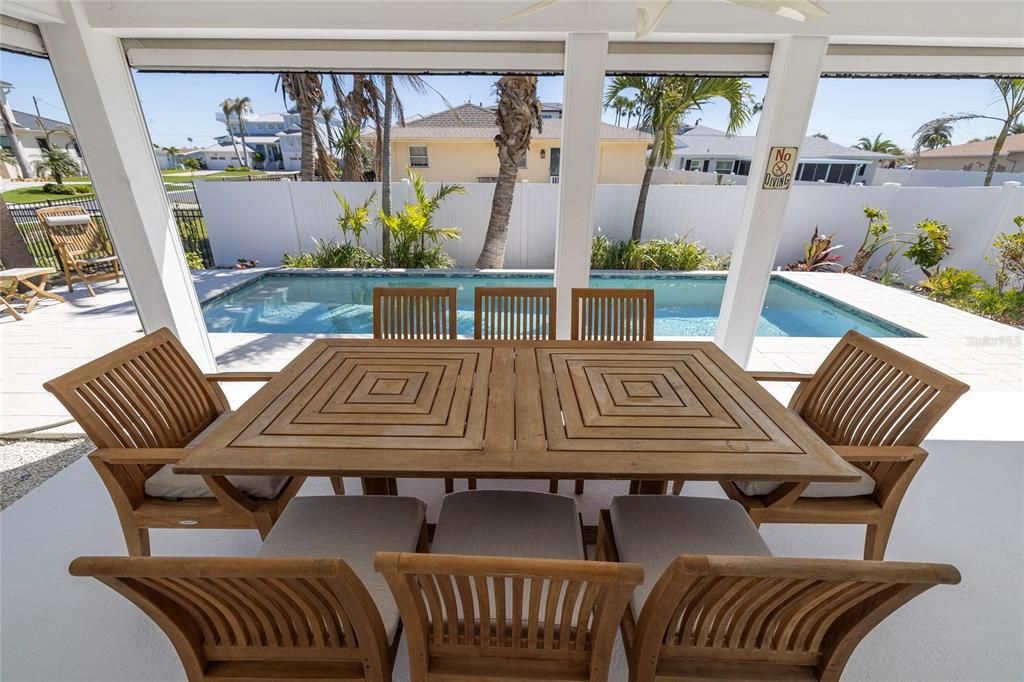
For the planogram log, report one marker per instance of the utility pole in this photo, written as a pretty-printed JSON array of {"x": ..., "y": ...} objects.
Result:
[{"x": 8, "y": 119}]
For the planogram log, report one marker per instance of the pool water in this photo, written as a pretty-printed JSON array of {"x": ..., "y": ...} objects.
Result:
[{"x": 685, "y": 305}]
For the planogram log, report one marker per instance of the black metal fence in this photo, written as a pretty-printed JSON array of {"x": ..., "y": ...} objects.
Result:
[{"x": 184, "y": 205}]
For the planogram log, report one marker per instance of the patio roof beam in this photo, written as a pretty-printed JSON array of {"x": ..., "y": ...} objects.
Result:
[
  {"x": 792, "y": 84},
  {"x": 100, "y": 97},
  {"x": 582, "y": 97}
]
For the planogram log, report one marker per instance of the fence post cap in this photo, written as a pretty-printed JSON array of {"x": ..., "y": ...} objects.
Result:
[{"x": 892, "y": 184}]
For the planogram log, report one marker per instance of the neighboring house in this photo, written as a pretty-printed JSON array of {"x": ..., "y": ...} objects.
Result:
[
  {"x": 457, "y": 145},
  {"x": 702, "y": 148},
  {"x": 164, "y": 161},
  {"x": 32, "y": 131},
  {"x": 215, "y": 157},
  {"x": 975, "y": 156},
  {"x": 278, "y": 137}
]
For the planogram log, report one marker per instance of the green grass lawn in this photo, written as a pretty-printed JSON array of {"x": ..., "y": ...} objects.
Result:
[
  {"x": 229, "y": 175},
  {"x": 28, "y": 195}
]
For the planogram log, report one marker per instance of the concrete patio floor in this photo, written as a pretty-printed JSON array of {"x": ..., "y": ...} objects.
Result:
[{"x": 963, "y": 508}]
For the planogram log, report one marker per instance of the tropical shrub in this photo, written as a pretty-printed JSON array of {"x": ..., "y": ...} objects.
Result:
[
  {"x": 879, "y": 235},
  {"x": 716, "y": 261},
  {"x": 655, "y": 254},
  {"x": 1008, "y": 261},
  {"x": 194, "y": 261},
  {"x": 57, "y": 163},
  {"x": 354, "y": 221},
  {"x": 931, "y": 245},
  {"x": 331, "y": 254},
  {"x": 54, "y": 188},
  {"x": 236, "y": 168},
  {"x": 818, "y": 254},
  {"x": 191, "y": 164},
  {"x": 415, "y": 241},
  {"x": 82, "y": 189},
  {"x": 1003, "y": 306},
  {"x": 951, "y": 284}
]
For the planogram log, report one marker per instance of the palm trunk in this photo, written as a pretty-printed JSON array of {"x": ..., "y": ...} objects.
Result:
[
  {"x": 12, "y": 243},
  {"x": 238, "y": 157},
  {"x": 245, "y": 149},
  {"x": 645, "y": 187},
  {"x": 19, "y": 151},
  {"x": 859, "y": 262},
  {"x": 307, "y": 122},
  {"x": 493, "y": 253},
  {"x": 998, "y": 147},
  {"x": 385, "y": 165}
]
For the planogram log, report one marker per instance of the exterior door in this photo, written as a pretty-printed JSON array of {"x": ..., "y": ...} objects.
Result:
[{"x": 555, "y": 156}]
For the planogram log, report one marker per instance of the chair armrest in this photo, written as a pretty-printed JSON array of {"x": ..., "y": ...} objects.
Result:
[
  {"x": 137, "y": 455},
  {"x": 876, "y": 453},
  {"x": 780, "y": 376},
  {"x": 239, "y": 376}
]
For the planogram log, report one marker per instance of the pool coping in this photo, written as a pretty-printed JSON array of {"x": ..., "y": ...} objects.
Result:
[{"x": 218, "y": 294}]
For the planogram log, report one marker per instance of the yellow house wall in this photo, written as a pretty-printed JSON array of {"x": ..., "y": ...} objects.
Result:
[
  {"x": 1011, "y": 163},
  {"x": 465, "y": 161}
]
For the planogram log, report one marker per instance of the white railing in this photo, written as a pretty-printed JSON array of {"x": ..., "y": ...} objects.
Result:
[{"x": 265, "y": 220}]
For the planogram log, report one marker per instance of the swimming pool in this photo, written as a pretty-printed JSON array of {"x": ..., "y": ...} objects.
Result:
[{"x": 328, "y": 302}]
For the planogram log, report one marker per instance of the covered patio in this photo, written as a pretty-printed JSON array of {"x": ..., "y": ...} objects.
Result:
[{"x": 964, "y": 507}]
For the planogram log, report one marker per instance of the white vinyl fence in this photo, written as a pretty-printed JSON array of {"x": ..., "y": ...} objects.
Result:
[
  {"x": 265, "y": 220},
  {"x": 914, "y": 177}
]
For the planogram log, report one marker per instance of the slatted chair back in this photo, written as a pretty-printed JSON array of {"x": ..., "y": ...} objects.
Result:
[
  {"x": 548, "y": 619},
  {"x": 255, "y": 618},
  {"x": 867, "y": 394},
  {"x": 763, "y": 618},
  {"x": 612, "y": 314},
  {"x": 414, "y": 313},
  {"x": 78, "y": 239},
  {"x": 514, "y": 313},
  {"x": 147, "y": 394}
]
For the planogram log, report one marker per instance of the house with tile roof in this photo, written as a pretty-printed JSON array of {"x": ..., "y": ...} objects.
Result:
[
  {"x": 457, "y": 145},
  {"x": 975, "y": 156},
  {"x": 702, "y": 148},
  {"x": 37, "y": 133}
]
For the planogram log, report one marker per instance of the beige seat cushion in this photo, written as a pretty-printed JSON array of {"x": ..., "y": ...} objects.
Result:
[
  {"x": 652, "y": 530},
  {"x": 354, "y": 529},
  {"x": 511, "y": 523},
  {"x": 171, "y": 486},
  {"x": 865, "y": 486}
]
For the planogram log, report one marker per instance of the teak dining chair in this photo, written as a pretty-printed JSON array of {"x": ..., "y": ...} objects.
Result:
[
  {"x": 611, "y": 315},
  {"x": 254, "y": 618},
  {"x": 414, "y": 313},
  {"x": 141, "y": 406},
  {"x": 515, "y": 313},
  {"x": 874, "y": 406},
  {"x": 478, "y": 617},
  {"x": 739, "y": 616},
  {"x": 80, "y": 245}
]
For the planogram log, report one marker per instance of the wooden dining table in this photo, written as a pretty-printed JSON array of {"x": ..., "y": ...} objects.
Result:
[{"x": 648, "y": 411}]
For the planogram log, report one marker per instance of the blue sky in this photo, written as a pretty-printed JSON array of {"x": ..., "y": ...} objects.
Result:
[{"x": 178, "y": 106}]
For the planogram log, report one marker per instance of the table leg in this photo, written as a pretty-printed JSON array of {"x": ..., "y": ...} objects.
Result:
[
  {"x": 652, "y": 487},
  {"x": 380, "y": 486},
  {"x": 39, "y": 291}
]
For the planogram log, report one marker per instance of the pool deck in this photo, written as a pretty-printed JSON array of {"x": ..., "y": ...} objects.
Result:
[{"x": 987, "y": 355}]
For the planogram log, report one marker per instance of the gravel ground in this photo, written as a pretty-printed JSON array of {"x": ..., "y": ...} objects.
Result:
[{"x": 26, "y": 464}]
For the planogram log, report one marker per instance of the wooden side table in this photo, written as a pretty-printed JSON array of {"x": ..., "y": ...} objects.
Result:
[{"x": 12, "y": 278}]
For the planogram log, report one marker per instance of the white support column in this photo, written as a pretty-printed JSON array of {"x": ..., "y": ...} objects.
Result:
[
  {"x": 792, "y": 83},
  {"x": 99, "y": 93},
  {"x": 582, "y": 97}
]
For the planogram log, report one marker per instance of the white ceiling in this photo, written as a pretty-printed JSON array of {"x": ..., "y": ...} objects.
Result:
[{"x": 909, "y": 22}]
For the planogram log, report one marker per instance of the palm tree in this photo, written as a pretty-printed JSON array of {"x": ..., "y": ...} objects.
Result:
[
  {"x": 227, "y": 107},
  {"x": 8, "y": 121},
  {"x": 878, "y": 145},
  {"x": 172, "y": 152},
  {"x": 306, "y": 90},
  {"x": 352, "y": 149},
  {"x": 1011, "y": 91},
  {"x": 243, "y": 105},
  {"x": 327, "y": 114},
  {"x": 57, "y": 163},
  {"x": 663, "y": 102},
  {"x": 621, "y": 105},
  {"x": 938, "y": 134},
  {"x": 518, "y": 113}
]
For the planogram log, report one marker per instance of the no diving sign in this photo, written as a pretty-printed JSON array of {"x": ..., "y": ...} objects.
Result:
[{"x": 779, "y": 173}]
